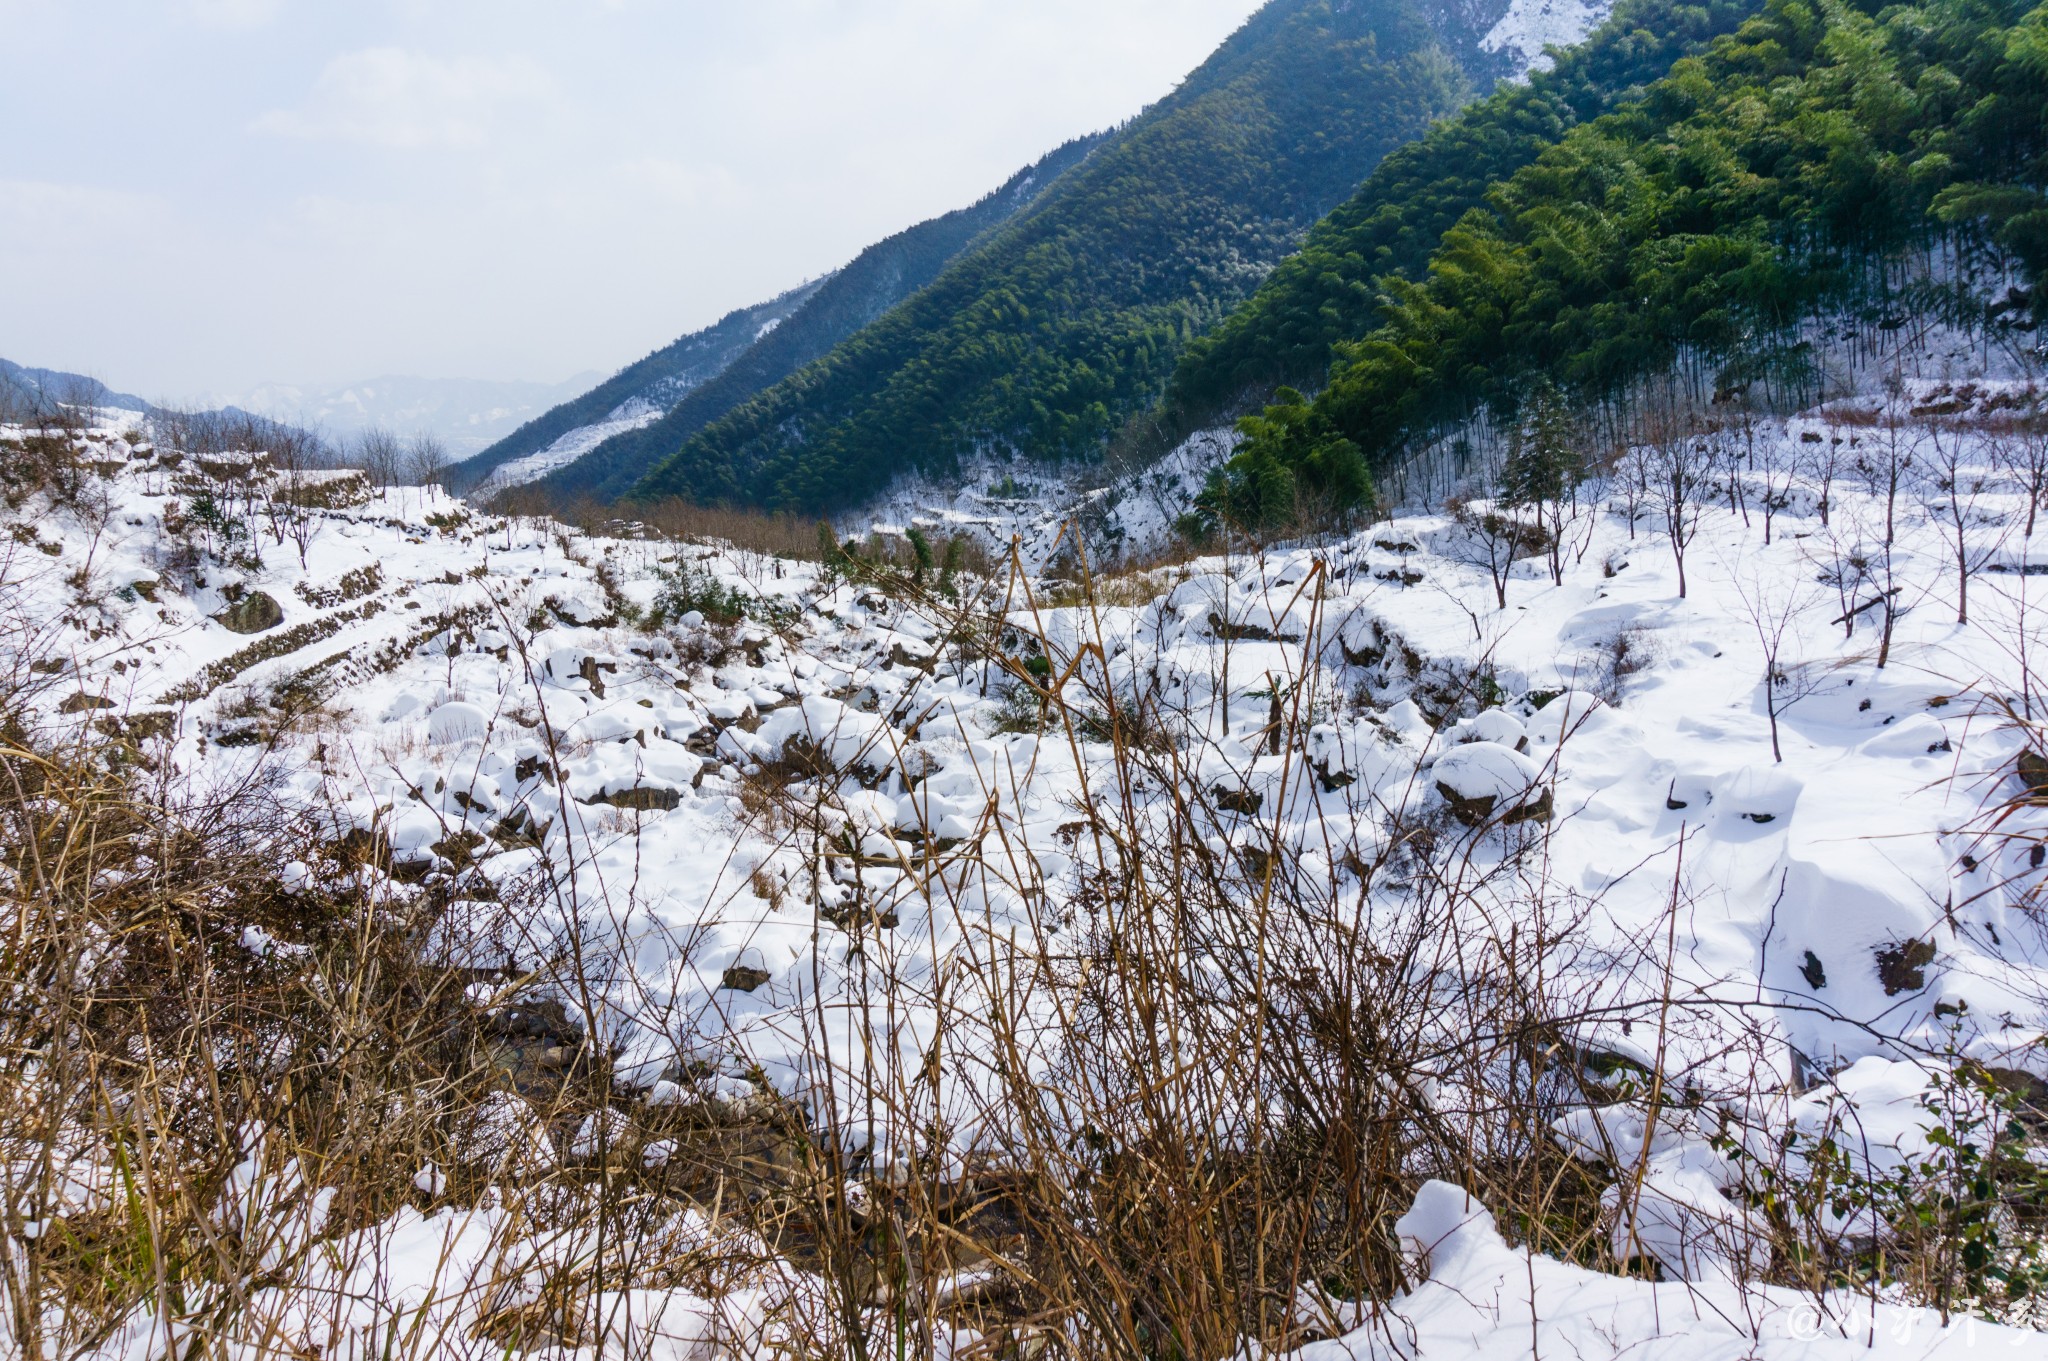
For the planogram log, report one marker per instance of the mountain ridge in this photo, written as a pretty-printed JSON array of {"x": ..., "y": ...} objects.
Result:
[
  {"x": 667, "y": 373},
  {"x": 838, "y": 306},
  {"x": 1326, "y": 292},
  {"x": 1046, "y": 336}
]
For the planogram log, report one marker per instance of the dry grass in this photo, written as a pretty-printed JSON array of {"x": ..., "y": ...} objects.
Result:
[
  {"x": 1217, "y": 1077},
  {"x": 785, "y": 536}
]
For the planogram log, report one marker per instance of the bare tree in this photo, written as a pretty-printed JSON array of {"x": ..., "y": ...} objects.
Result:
[
  {"x": 1850, "y": 564},
  {"x": 18, "y": 402},
  {"x": 1774, "y": 602},
  {"x": 1631, "y": 484},
  {"x": 294, "y": 455},
  {"x": 1885, "y": 462},
  {"x": 1776, "y": 476},
  {"x": 426, "y": 460},
  {"x": 380, "y": 455},
  {"x": 1952, "y": 496},
  {"x": 1680, "y": 467},
  {"x": 2022, "y": 450},
  {"x": 1492, "y": 539},
  {"x": 1820, "y": 463},
  {"x": 1737, "y": 457}
]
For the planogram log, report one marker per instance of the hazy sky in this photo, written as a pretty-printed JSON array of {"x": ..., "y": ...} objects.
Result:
[{"x": 197, "y": 196}]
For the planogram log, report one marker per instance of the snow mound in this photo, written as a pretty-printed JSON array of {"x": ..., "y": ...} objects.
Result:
[
  {"x": 1485, "y": 773},
  {"x": 1482, "y": 1300}
]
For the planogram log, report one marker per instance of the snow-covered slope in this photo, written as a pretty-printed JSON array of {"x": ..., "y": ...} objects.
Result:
[
  {"x": 1530, "y": 26},
  {"x": 606, "y": 410},
  {"x": 635, "y": 413},
  {"x": 1046, "y": 509},
  {"x": 535, "y": 716}
]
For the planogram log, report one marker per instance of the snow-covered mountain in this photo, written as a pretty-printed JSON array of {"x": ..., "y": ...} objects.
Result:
[
  {"x": 603, "y": 443},
  {"x": 467, "y": 415}
]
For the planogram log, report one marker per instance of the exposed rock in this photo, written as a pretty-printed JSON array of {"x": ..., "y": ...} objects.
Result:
[
  {"x": 1903, "y": 967},
  {"x": 744, "y": 978},
  {"x": 899, "y": 655},
  {"x": 459, "y": 848},
  {"x": 1245, "y": 802},
  {"x": 253, "y": 613},
  {"x": 143, "y": 726},
  {"x": 231, "y": 469},
  {"x": 645, "y": 798},
  {"x": 327, "y": 490},
  {"x": 82, "y": 703},
  {"x": 1247, "y": 632},
  {"x": 2033, "y": 773}
]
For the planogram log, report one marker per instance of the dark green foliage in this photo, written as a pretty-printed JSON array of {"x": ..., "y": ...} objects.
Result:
[
  {"x": 1326, "y": 293},
  {"x": 1045, "y": 337},
  {"x": 880, "y": 277},
  {"x": 221, "y": 526},
  {"x": 920, "y": 555},
  {"x": 829, "y": 551},
  {"x": 949, "y": 570},
  {"x": 1287, "y": 474},
  {"x": 686, "y": 588},
  {"x": 1544, "y": 461},
  {"x": 1775, "y": 180}
]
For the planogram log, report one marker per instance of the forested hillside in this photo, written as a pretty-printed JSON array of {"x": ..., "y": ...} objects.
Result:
[
  {"x": 1825, "y": 163},
  {"x": 1326, "y": 292},
  {"x": 1048, "y": 336},
  {"x": 879, "y": 278}
]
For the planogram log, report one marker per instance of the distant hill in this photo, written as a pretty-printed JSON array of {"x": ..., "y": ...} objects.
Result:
[
  {"x": 25, "y": 390},
  {"x": 879, "y": 278},
  {"x": 55, "y": 385},
  {"x": 639, "y": 393},
  {"x": 1045, "y": 336},
  {"x": 467, "y": 415},
  {"x": 403, "y": 406}
]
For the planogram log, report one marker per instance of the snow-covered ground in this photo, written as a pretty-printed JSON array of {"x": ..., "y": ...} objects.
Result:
[
  {"x": 1790, "y": 942},
  {"x": 1045, "y": 509}
]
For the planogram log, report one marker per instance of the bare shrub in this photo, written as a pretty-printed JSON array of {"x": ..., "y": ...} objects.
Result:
[
  {"x": 786, "y": 536},
  {"x": 1617, "y": 658}
]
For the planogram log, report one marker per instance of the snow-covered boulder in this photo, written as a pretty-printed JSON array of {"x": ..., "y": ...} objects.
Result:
[
  {"x": 1915, "y": 737},
  {"x": 1485, "y": 779},
  {"x": 841, "y": 736},
  {"x": 457, "y": 721},
  {"x": 1494, "y": 725}
]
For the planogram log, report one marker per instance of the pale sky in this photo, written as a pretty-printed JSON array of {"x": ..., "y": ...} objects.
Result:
[{"x": 198, "y": 196}]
